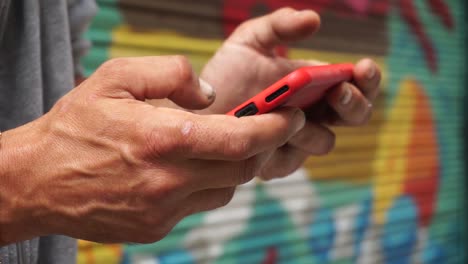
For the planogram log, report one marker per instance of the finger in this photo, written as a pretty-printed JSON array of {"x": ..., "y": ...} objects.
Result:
[
  {"x": 288, "y": 66},
  {"x": 352, "y": 107},
  {"x": 154, "y": 78},
  {"x": 284, "y": 25},
  {"x": 219, "y": 137},
  {"x": 222, "y": 174},
  {"x": 367, "y": 78},
  {"x": 367, "y": 75},
  {"x": 283, "y": 162},
  {"x": 207, "y": 200},
  {"x": 314, "y": 139}
]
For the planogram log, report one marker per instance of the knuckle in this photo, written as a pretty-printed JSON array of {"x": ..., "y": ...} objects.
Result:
[
  {"x": 248, "y": 170},
  {"x": 114, "y": 66},
  {"x": 154, "y": 235},
  {"x": 227, "y": 196},
  {"x": 185, "y": 69},
  {"x": 239, "y": 145},
  {"x": 327, "y": 144},
  {"x": 163, "y": 189},
  {"x": 248, "y": 27},
  {"x": 154, "y": 142},
  {"x": 282, "y": 130},
  {"x": 273, "y": 172},
  {"x": 155, "y": 225},
  {"x": 114, "y": 72},
  {"x": 221, "y": 199},
  {"x": 286, "y": 10},
  {"x": 245, "y": 26},
  {"x": 332, "y": 142},
  {"x": 293, "y": 163},
  {"x": 224, "y": 198},
  {"x": 161, "y": 142},
  {"x": 62, "y": 105}
]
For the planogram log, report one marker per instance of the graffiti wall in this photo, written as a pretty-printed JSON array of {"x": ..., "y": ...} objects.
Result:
[{"x": 391, "y": 192}]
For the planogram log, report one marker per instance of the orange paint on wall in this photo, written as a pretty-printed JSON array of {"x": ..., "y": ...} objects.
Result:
[{"x": 422, "y": 182}]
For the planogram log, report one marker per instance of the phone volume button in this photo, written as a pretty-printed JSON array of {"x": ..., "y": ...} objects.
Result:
[{"x": 277, "y": 93}]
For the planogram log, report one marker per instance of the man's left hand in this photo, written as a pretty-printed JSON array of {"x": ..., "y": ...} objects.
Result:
[{"x": 247, "y": 63}]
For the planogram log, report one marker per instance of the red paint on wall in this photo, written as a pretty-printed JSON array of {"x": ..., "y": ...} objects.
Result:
[{"x": 271, "y": 256}]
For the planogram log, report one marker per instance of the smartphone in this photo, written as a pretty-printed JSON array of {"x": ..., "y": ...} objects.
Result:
[{"x": 301, "y": 88}]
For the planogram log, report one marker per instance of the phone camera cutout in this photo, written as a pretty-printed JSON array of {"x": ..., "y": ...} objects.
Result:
[{"x": 277, "y": 93}]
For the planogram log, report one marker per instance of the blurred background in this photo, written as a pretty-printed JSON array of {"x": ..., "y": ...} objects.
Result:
[{"x": 391, "y": 192}]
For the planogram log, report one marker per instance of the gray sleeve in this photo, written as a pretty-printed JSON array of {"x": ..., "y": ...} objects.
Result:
[
  {"x": 80, "y": 13},
  {"x": 57, "y": 250},
  {"x": 4, "y": 7}
]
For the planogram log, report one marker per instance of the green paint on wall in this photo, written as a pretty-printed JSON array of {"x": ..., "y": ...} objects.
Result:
[{"x": 100, "y": 34}]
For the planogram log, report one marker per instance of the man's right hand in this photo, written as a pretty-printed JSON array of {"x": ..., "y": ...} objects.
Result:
[{"x": 105, "y": 166}]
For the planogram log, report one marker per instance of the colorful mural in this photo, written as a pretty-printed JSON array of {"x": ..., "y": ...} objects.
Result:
[{"x": 391, "y": 192}]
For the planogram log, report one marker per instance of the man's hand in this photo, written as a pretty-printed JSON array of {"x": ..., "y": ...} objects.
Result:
[
  {"x": 247, "y": 63},
  {"x": 105, "y": 166}
]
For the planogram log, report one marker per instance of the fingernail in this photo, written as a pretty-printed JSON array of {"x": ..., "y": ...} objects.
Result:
[
  {"x": 299, "y": 120},
  {"x": 371, "y": 72},
  {"x": 347, "y": 96},
  {"x": 207, "y": 89}
]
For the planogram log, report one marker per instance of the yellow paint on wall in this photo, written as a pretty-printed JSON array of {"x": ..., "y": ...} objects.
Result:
[
  {"x": 197, "y": 60},
  {"x": 355, "y": 149},
  {"x": 94, "y": 253},
  {"x": 165, "y": 40},
  {"x": 127, "y": 42},
  {"x": 390, "y": 168}
]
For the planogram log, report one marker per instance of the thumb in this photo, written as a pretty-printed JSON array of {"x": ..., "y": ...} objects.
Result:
[
  {"x": 280, "y": 27},
  {"x": 161, "y": 77}
]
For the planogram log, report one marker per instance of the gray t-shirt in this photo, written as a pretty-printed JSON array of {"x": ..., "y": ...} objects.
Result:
[{"x": 40, "y": 46}]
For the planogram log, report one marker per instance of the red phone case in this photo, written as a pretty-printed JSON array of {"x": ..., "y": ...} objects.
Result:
[{"x": 301, "y": 88}]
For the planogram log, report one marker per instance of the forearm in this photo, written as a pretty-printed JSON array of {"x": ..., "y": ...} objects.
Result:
[{"x": 19, "y": 159}]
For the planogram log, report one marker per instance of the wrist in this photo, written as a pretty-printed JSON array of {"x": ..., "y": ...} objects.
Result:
[{"x": 20, "y": 154}]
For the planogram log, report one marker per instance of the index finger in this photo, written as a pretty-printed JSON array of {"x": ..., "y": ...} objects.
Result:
[
  {"x": 154, "y": 77},
  {"x": 220, "y": 137}
]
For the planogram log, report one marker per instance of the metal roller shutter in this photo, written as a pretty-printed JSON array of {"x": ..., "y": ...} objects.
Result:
[{"x": 391, "y": 192}]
